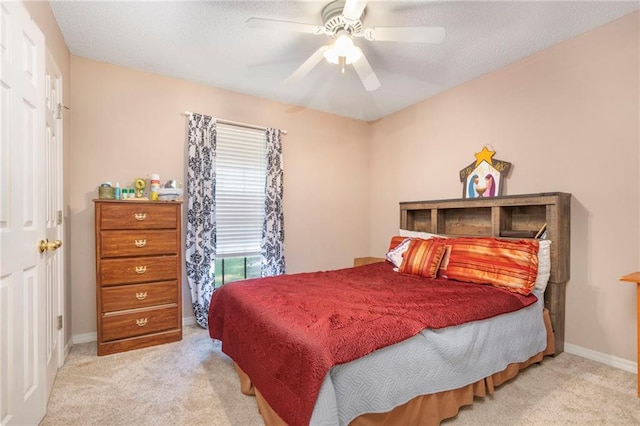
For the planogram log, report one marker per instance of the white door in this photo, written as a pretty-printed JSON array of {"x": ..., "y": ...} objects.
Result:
[
  {"x": 22, "y": 225},
  {"x": 53, "y": 221}
]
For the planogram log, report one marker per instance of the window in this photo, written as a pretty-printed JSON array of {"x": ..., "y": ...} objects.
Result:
[{"x": 240, "y": 197}]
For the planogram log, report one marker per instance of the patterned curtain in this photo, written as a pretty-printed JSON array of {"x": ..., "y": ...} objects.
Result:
[
  {"x": 273, "y": 228},
  {"x": 200, "y": 253}
]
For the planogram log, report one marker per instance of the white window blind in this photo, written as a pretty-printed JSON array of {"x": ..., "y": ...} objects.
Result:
[{"x": 240, "y": 189}]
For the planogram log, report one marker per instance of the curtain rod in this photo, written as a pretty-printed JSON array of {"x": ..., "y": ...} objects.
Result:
[{"x": 236, "y": 123}]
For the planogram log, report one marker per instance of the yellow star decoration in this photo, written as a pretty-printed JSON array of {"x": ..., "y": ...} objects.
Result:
[{"x": 484, "y": 155}]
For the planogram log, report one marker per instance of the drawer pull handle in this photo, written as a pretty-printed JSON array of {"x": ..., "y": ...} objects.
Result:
[
  {"x": 140, "y": 216},
  {"x": 141, "y": 243},
  {"x": 141, "y": 269},
  {"x": 141, "y": 322},
  {"x": 141, "y": 296}
]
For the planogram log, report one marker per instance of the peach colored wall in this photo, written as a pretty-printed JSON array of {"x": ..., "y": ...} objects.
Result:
[
  {"x": 567, "y": 118},
  {"x": 129, "y": 123},
  {"x": 42, "y": 15}
]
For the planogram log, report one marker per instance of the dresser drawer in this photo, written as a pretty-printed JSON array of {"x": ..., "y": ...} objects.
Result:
[
  {"x": 138, "y": 243},
  {"x": 139, "y": 322},
  {"x": 138, "y": 270},
  {"x": 139, "y": 296},
  {"x": 138, "y": 216}
]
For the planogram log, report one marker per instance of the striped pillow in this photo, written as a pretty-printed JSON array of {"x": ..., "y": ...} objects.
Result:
[
  {"x": 395, "y": 241},
  {"x": 511, "y": 264},
  {"x": 423, "y": 257}
]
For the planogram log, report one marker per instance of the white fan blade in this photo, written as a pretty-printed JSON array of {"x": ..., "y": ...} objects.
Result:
[
  {"x": 353, "y": 9},
  {"x": 366, "y": 74},
  {"x": 411, "y": 34},
  {"x": 307, "y": 66},
  {"x": 274, "y": 24}
]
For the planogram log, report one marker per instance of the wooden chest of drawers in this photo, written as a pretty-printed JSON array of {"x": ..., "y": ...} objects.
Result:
[{"x": 138, "y": 274}]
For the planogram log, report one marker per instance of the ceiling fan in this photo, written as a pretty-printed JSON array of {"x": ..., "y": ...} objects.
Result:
[{"x": 342, "y": 21}]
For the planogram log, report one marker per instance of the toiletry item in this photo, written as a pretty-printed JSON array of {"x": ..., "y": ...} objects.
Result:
[
  {"x": 132, "y": 193},
  {"x": 117, "y": 193},
  {"x": 155, "y": 186}
]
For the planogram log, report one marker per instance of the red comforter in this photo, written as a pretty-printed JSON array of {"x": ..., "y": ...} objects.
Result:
[{"x": 286, "y": 332}]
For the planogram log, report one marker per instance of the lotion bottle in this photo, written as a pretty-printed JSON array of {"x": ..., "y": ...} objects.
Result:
[{"x": 155, "y": 186}]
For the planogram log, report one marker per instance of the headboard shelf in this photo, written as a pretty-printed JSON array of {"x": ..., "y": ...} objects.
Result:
[
  {"x": 464, "y": 221},
  {"x": 513, "y": 216}
]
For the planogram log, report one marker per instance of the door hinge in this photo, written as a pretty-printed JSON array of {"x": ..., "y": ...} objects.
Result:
[
  {"x": 59, "y": 322},
  {"x": 58, "y": 111},
  {"x": 59, "y": 217}
]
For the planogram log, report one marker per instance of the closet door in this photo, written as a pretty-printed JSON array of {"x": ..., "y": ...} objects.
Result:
[{"x": 22, "y": 213}]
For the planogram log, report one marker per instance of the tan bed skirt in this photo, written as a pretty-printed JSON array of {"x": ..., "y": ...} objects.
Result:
[{"x": 422, "y": 410}]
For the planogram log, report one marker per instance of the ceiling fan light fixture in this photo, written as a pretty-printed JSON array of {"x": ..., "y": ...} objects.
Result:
[
  {"x": 343, "y": 47},
  {"x": 342, "y": 21}
]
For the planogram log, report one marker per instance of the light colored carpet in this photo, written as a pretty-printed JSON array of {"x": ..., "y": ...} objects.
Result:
[{"x": 192, "y": 383}]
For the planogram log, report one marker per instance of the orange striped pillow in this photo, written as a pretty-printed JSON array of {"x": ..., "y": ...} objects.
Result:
[
  {"x": 395, "y": 242},
  {"x": 511, "y": 264},
  {"x": 423, "y": 257}
]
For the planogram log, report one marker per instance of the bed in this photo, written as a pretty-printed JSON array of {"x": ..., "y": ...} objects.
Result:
[{"x": 372, "y": 345}]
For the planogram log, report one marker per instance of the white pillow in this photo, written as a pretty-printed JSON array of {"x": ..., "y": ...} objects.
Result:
[
  {"x": 544, "y": 264},
  {"x": 395, "y": 255},
  {"x": 418, "y": 234}
]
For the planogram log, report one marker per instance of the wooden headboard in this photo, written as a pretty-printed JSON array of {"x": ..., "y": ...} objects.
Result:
[{"x": 515, "y": 216}]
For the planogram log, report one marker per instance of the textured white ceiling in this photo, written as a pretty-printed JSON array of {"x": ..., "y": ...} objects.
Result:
[{"x": 208, "y": 42}]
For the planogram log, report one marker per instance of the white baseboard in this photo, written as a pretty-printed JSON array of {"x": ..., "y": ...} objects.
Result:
[
  {"x": 610, "y": 360},
  {"x": 84, "y": 338},
  {"x": 92, "y": 337},
  {"x": 188, "y": 321},
  {"x": 67, "y": 347}
]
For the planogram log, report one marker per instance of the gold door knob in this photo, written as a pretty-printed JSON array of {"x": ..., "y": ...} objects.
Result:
[{"x": 45, "y": 245}]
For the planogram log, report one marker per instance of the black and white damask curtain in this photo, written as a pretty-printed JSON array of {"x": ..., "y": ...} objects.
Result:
[
  {"x": 273, "y": 228},
  {"x": 200, "y": 251}
]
